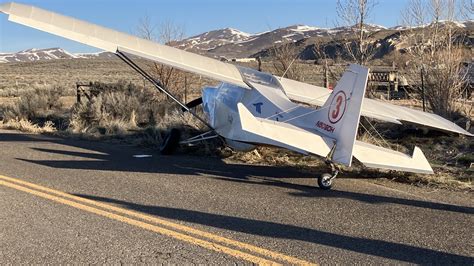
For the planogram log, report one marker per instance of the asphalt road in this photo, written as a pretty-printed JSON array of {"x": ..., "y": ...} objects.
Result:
[{"x": 76, "y": 201}]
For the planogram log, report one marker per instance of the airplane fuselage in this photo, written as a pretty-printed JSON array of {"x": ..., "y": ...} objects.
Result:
[{"x": 267, "y": 102}]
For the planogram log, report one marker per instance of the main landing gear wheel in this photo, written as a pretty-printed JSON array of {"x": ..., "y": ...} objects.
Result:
[
  {"x": 325, "y": 181},
  {"x": 170, "y": 142}
]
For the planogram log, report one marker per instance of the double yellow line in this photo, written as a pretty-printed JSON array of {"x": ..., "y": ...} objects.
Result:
[{"x": 184, "y": 233}]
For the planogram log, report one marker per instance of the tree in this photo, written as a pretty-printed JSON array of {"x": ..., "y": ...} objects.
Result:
[
  {"x": 319, "y": 50},
  {"x": 284, "y": 60},
  {"x": 435, "y": 46},
  {"x": 165, "y": 33},
  {"x": 355, "y": 14}
]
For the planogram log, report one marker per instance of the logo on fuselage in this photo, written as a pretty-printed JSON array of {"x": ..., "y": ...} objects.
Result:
[
  {"x": 337, "y": 107},
  {"x": 258, "y": 107}
]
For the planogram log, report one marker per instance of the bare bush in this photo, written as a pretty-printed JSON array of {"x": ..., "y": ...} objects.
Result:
[
  {"x": 118, "y": 108},
  {"x": 165, "y": 33},
  {"x": 319, "y": 50},
  {"x": 284, "y": 58},
  {"x": 33, "y": 104},
  {"x": 437, "y": 50}
]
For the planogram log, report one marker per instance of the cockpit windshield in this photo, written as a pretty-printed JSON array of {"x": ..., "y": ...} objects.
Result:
[{"x": 254, "y": 76}]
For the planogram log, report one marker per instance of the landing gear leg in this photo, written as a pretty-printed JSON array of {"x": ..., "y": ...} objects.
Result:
[{"x": 325, "y": 180}]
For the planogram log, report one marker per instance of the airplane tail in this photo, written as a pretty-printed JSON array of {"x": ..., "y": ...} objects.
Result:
[{"x": 339, "y": 116}]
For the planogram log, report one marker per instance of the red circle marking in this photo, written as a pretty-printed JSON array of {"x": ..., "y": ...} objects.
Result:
[{"x": 337, "y": 107}]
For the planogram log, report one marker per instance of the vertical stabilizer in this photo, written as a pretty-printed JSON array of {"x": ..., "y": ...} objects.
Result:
[{"x": 339, "y": 117}]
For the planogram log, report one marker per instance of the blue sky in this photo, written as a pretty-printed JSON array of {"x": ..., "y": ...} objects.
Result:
[{"x": 195, "y": 16}]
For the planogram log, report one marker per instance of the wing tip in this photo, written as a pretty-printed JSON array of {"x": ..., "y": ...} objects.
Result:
[{"x": 460, "y": 130}]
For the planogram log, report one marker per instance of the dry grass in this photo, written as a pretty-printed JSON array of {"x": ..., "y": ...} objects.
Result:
[
  {"x": 28, "y": 126},
  {"x": 441, "y": 179},
  {"x": 276, "y": 156}
]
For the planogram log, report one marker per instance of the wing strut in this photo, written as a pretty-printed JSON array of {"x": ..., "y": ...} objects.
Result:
[{"x": 159, "y": 86}]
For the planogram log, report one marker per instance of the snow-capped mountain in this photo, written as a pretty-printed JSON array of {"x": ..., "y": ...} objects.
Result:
[
  {"x": 385, "y": 41},
  {"x": 234, "y": 43},
  {"x": 34, "y": 54},
  {"x": 31, "y": 55},
  {"x": 212, "y": 39}
]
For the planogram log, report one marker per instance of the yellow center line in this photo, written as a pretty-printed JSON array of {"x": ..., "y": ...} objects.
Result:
[
  {"x": 150, "y": 227},
  {"x": 186, "y": 229}
]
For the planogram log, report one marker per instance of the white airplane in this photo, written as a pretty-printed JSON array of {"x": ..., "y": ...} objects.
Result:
[{"x": 252, "y": 108}]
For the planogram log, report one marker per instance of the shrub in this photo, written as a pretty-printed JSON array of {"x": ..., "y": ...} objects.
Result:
[
  {"x": 119, "y": 107},
  {"x": 33, "y": 104}
]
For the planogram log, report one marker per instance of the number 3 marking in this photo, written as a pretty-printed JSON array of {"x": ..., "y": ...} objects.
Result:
[
  {"x": 335, "y": 113},
  {"x": 337, "y": 107}
]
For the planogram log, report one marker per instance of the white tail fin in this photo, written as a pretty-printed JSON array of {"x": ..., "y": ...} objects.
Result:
[{"x": 339, "y": 117}]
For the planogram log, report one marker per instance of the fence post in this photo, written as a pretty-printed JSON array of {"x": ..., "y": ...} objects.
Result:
[{"x": 78, "y": 93}]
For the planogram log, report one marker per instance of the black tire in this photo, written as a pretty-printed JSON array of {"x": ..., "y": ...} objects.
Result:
[
  {"x": 325, "y": 181},
  {"x": 170, "y": 142}
]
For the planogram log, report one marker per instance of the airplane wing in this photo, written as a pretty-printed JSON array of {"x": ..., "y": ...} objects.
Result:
[
  {"x": 303, "y": 141},
  {"x": 112, "y": 41},
  {"x": 314, "y": 95}
]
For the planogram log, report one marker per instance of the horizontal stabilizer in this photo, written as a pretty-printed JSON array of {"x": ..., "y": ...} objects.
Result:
[
  {"x": 284, "y": 135},
  {"x": 378, "y": 157},
  {"x": 281, "y": 134}
]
